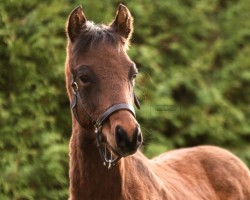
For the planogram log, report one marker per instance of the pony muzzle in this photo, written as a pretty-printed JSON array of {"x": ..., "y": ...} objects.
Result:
[
  {"x": 127, "y": 143},
  {"x": 117, "y": 133}
]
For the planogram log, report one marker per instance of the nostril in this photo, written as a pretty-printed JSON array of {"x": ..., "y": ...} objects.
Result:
[
  {"x": 126, "y": 144},
  {"x": 139, "y": 136},
  {"x": 120, "y": 137}
]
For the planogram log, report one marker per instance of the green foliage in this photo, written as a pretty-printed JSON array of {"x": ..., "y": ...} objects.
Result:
[
  {"x": 203, "y": 95},
  {"x": 34, "y": 134},
  {"x": 194, "y": 83}
]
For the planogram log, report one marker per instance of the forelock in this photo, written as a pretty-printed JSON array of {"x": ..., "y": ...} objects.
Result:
[{"x": 94, "y": 35}]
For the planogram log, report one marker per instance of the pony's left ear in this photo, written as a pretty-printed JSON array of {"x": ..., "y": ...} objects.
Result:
[
  {"x": 75, "y": 23},
  {"x": 123, "y": 23}
]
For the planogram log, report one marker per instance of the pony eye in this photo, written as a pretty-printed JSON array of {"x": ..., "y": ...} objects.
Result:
[
  {"x": 133, "y": 79},
  {"x": 84, "y": 79},
  {"x": 134, "y": 76}
]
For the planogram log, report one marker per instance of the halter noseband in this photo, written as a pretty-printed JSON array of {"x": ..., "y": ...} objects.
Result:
[{"x": 103, "y": 148}]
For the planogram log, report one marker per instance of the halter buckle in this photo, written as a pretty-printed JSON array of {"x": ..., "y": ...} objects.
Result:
[{"x": 74, "y": 87}]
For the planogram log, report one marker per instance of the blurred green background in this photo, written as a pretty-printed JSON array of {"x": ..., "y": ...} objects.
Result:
[{"x": 194, "y": 83}]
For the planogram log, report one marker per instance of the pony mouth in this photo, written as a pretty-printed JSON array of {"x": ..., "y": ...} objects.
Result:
[
  {"x": 111, "y": 154},
  {"x": 113, "y": 150},
  {"x": 118, "y": 152}
]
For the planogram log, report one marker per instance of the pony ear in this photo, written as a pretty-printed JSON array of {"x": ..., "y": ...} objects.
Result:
[
  {"x": 75, "y": 23},
  {"x": 123, "y": 23}
]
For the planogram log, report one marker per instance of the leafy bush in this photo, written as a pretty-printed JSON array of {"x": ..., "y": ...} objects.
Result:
[{"x": 34, "y": 128}]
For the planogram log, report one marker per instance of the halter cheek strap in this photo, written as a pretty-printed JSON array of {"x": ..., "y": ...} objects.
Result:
[
  {"x": 74, "y": 102},
  {"x": 136, "y": 101}
]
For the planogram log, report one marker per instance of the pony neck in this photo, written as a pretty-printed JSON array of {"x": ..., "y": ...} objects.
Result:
[{"x": 90, "y": 179}]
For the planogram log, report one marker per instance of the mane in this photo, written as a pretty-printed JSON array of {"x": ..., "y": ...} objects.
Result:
[{"x": 94, "y": 35}]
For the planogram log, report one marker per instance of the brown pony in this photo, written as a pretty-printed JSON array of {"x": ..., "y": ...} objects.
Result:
[{"x": 104, "y": 161}]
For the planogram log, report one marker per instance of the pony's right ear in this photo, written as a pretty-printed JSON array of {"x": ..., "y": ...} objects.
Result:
[{"x": 75, "y": 23}]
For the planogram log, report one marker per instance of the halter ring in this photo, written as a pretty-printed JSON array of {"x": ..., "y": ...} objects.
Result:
[{"x": 74, "y": 87}]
